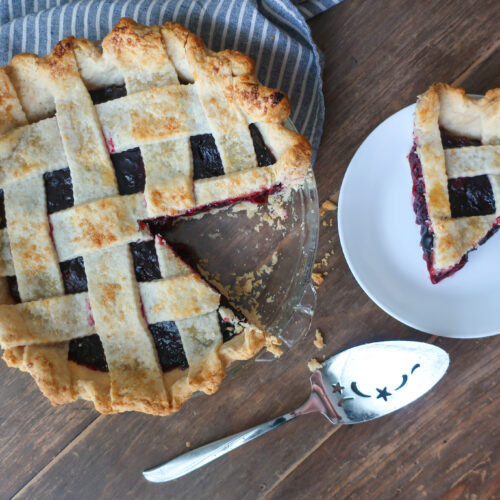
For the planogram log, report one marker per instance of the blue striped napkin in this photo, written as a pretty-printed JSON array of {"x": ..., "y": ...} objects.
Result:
[{"x": 273, "y": 32}]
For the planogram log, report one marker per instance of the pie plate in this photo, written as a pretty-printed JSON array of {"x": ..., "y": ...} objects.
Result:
[{"x": 381, "y": 244}]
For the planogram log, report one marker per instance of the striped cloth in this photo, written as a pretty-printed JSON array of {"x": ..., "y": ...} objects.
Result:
[{"x": 273, "y": 32}]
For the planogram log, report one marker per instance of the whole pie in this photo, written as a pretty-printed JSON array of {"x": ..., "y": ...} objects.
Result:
[
  {"x": 455, "y": 166},
  {"x": 99, "y": 149}
]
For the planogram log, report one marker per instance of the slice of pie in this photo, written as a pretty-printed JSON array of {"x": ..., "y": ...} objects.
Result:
[
  {"x": 455, "y": 167},
  {"x": 98, "y": 151}
]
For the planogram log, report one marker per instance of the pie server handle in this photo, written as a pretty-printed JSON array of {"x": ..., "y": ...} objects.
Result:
[{"x": 192, "y": 460}]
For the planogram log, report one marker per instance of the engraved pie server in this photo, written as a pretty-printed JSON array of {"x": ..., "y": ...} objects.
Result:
[{"x": 357, "y": 385}]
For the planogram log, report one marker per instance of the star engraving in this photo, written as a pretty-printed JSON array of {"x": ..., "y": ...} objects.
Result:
[
  {"x": 337, "y": 387},
  {"x": 382, "y": 393}
]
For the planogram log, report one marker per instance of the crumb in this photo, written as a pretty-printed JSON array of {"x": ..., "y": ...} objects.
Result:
[
  {"x": 327, "y": 206},
  {"x": 272, "y": 344},
  {"x": 318, "y": 341},
  {"x": 188, "y": 444},
  {"x": 314, "y": 365},
  {"x": 317, "y": 278}
]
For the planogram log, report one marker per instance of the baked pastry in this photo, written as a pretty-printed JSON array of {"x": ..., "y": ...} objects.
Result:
[
  {"x": 96, "y": 304},
  {"x": 455, "y": 167}
]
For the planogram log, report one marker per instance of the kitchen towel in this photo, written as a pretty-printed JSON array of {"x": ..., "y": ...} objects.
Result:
[{"x": 273, "y": 32}]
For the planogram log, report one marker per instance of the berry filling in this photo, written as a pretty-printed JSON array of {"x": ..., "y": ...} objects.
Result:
[
  {"x": 73, "y": 274},
  {"x": 263, "y": 153},
  {"x": 3, "y": 220},
  {"x": 129, "y": 171},
  {"x": 146, "y": 265},
  {"x": 99, "y": 96},
  {"x": 206, "y": 158},
  {"x": 168, "y": 345},
  {"x": 468, "y": 196},
  {"x": 58, "y": 190},
  {"x": 88, "y": 351},
  {"x": 130, "y": 175}
]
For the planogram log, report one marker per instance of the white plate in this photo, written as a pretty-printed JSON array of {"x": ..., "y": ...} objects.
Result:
[{"x": 381, "y": 243}]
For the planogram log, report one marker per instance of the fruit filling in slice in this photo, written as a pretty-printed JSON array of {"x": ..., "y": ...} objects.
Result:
[{"x": 468, "y": 196}]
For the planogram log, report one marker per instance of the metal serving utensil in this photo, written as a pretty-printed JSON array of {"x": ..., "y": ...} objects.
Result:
[{"x": 357, "y": 385}]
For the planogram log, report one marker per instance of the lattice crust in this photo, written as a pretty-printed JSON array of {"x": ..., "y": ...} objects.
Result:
[
  {"x": 176, "y": 89},
  {"x": 450, "y": 108}
]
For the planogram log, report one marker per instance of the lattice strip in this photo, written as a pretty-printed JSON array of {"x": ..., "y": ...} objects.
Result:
[
  {"x": 100, "y": 224},
  {"x": 35, "y": 259},
  {"x": 473, "y": 160},
  {"x": 128, "y": 346},
  {"x": 168, "y": 164},
  {"x": 202, "y": 339},
  {"x": 228, "y": 124},
  {"x": 88, "y": 159}
]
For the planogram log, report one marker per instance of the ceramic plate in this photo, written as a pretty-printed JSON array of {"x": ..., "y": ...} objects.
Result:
[{"x": 381, "y": 243}]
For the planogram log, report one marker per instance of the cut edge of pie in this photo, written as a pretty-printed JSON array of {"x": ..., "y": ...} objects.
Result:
[
  {"x": 455, "y": 167},
  {"x": 176, "y": 90}
]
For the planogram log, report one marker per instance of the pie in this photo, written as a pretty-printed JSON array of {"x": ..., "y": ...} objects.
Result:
[
  {"x": 99, "y": 149},
  {"x": 455, "y": 167}
]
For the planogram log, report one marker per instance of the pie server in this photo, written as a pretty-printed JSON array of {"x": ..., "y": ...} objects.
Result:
[{"x": 357, "y": 385}]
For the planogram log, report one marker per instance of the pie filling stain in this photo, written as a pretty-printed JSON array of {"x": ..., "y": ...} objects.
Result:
[
  {"x": 99, "y": 96},
  {"x": 58, "y": 190},
  {"x": 468, "y": 196},
  {"x": 129, "y": 171},
  {"x": 130, "y": 175}
]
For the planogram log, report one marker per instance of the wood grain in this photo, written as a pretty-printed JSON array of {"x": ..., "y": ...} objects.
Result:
[{"x": 378, "y": 56}]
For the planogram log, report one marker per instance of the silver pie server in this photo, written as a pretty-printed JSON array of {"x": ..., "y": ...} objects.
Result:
[{"x": 357, "y": 385}]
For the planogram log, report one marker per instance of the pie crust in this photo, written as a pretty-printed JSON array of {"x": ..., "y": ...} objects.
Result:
[
  {"x": 175, "y": 89},
  {"x": 474, "y": 125}
]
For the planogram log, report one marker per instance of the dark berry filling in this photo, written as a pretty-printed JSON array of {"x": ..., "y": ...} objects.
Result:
[
  {"x": 129, "y": 171},
  {"x": 263, "y": 153},
  {"x": 168, "y": 344},
  {"x": 108, "y": 94},
  {"x": 3, "y": 220},
  {"x": 14, "y": 288},
  {"x": 146, "y": 264},
  {"x": 88, "y": 351},
  {"x": 471, "y": 196},
  {"x": 206, "y": 158},
  {"x": 58, "y": 190},
  {"x": 74, "y": 277},
  {"x": 468, "y": 196},
  {"x": 450, "y": 140}
]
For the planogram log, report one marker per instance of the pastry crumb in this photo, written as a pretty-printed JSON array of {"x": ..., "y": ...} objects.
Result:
[
  {"x": 188, "y": 444},
  {"x": 272, "y": 343},
  {"x": 327, "y": 206},
  {"x": 317, "y": 278},
  {"x": 318, "y": 341},
  {"x": 314, "y": 365}
]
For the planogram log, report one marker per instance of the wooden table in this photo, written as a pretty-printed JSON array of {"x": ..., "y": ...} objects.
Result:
[{"x": 378, "y": 56}]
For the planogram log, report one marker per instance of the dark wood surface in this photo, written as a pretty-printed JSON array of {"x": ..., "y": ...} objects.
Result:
[{"x": 379, "y": 55}]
